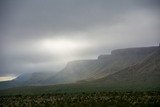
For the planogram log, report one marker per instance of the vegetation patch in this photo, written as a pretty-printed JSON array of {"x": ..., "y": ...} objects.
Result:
[{"x": 95, "y": 99}]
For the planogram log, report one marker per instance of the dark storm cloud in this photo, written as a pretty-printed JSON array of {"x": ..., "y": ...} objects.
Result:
[
  {"x": 35, "y": 18},
  {"x": 104, "y": 24}
]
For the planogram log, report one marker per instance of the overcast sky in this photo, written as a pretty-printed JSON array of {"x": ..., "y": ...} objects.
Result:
[{"x": 43, "y": 35}]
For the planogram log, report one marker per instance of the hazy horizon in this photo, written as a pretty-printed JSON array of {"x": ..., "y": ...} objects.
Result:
[{"x": 42, "y": 36}]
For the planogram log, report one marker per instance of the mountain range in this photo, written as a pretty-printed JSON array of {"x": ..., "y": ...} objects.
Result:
[{"x": 130, "y": 66}]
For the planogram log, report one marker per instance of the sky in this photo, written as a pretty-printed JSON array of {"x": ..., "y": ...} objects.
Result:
[{"x": 43, "y": 35}]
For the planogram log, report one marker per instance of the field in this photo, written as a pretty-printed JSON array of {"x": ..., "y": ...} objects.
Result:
[{"x": 94, "y": 99}]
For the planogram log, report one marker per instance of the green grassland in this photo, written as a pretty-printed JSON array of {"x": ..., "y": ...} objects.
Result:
[
  {"x": 94, "y": 99},
  {"x": 81, "y": 95},
  {"x": 76, "y": 88}
]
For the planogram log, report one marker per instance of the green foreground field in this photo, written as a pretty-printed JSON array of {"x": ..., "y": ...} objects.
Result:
[
  {"x": 76, "y": 88},
  {"x": 96, "y": 99},
  {"x": 81, "y": 95}
]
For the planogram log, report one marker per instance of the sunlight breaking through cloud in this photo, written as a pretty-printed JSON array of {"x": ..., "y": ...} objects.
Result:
[{"x": 62, "y": 46}]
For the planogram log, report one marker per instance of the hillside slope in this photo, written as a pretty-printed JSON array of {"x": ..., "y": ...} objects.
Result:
[
  {"x": 105, "y": 65},
  {"x": 36, "y": 78},
  {"x": 147, "y": 72}
]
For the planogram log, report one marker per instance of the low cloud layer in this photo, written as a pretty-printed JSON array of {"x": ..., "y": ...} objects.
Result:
[{"x": 90, "y": 27}]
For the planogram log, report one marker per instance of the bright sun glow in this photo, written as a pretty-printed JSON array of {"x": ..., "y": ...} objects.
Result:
[
  {"x": 62, "y": 46},
  {"x": 7, "y": 78}
]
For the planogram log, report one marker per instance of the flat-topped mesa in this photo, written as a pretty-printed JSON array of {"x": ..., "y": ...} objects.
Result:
[
  {"x": 102, "y": 57},
  {"x": 128, "y": 52},
  {"x": 78, "y": 65},
  {"x": 79, "y": 62},
  {"x": 138, "y": 51}
]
